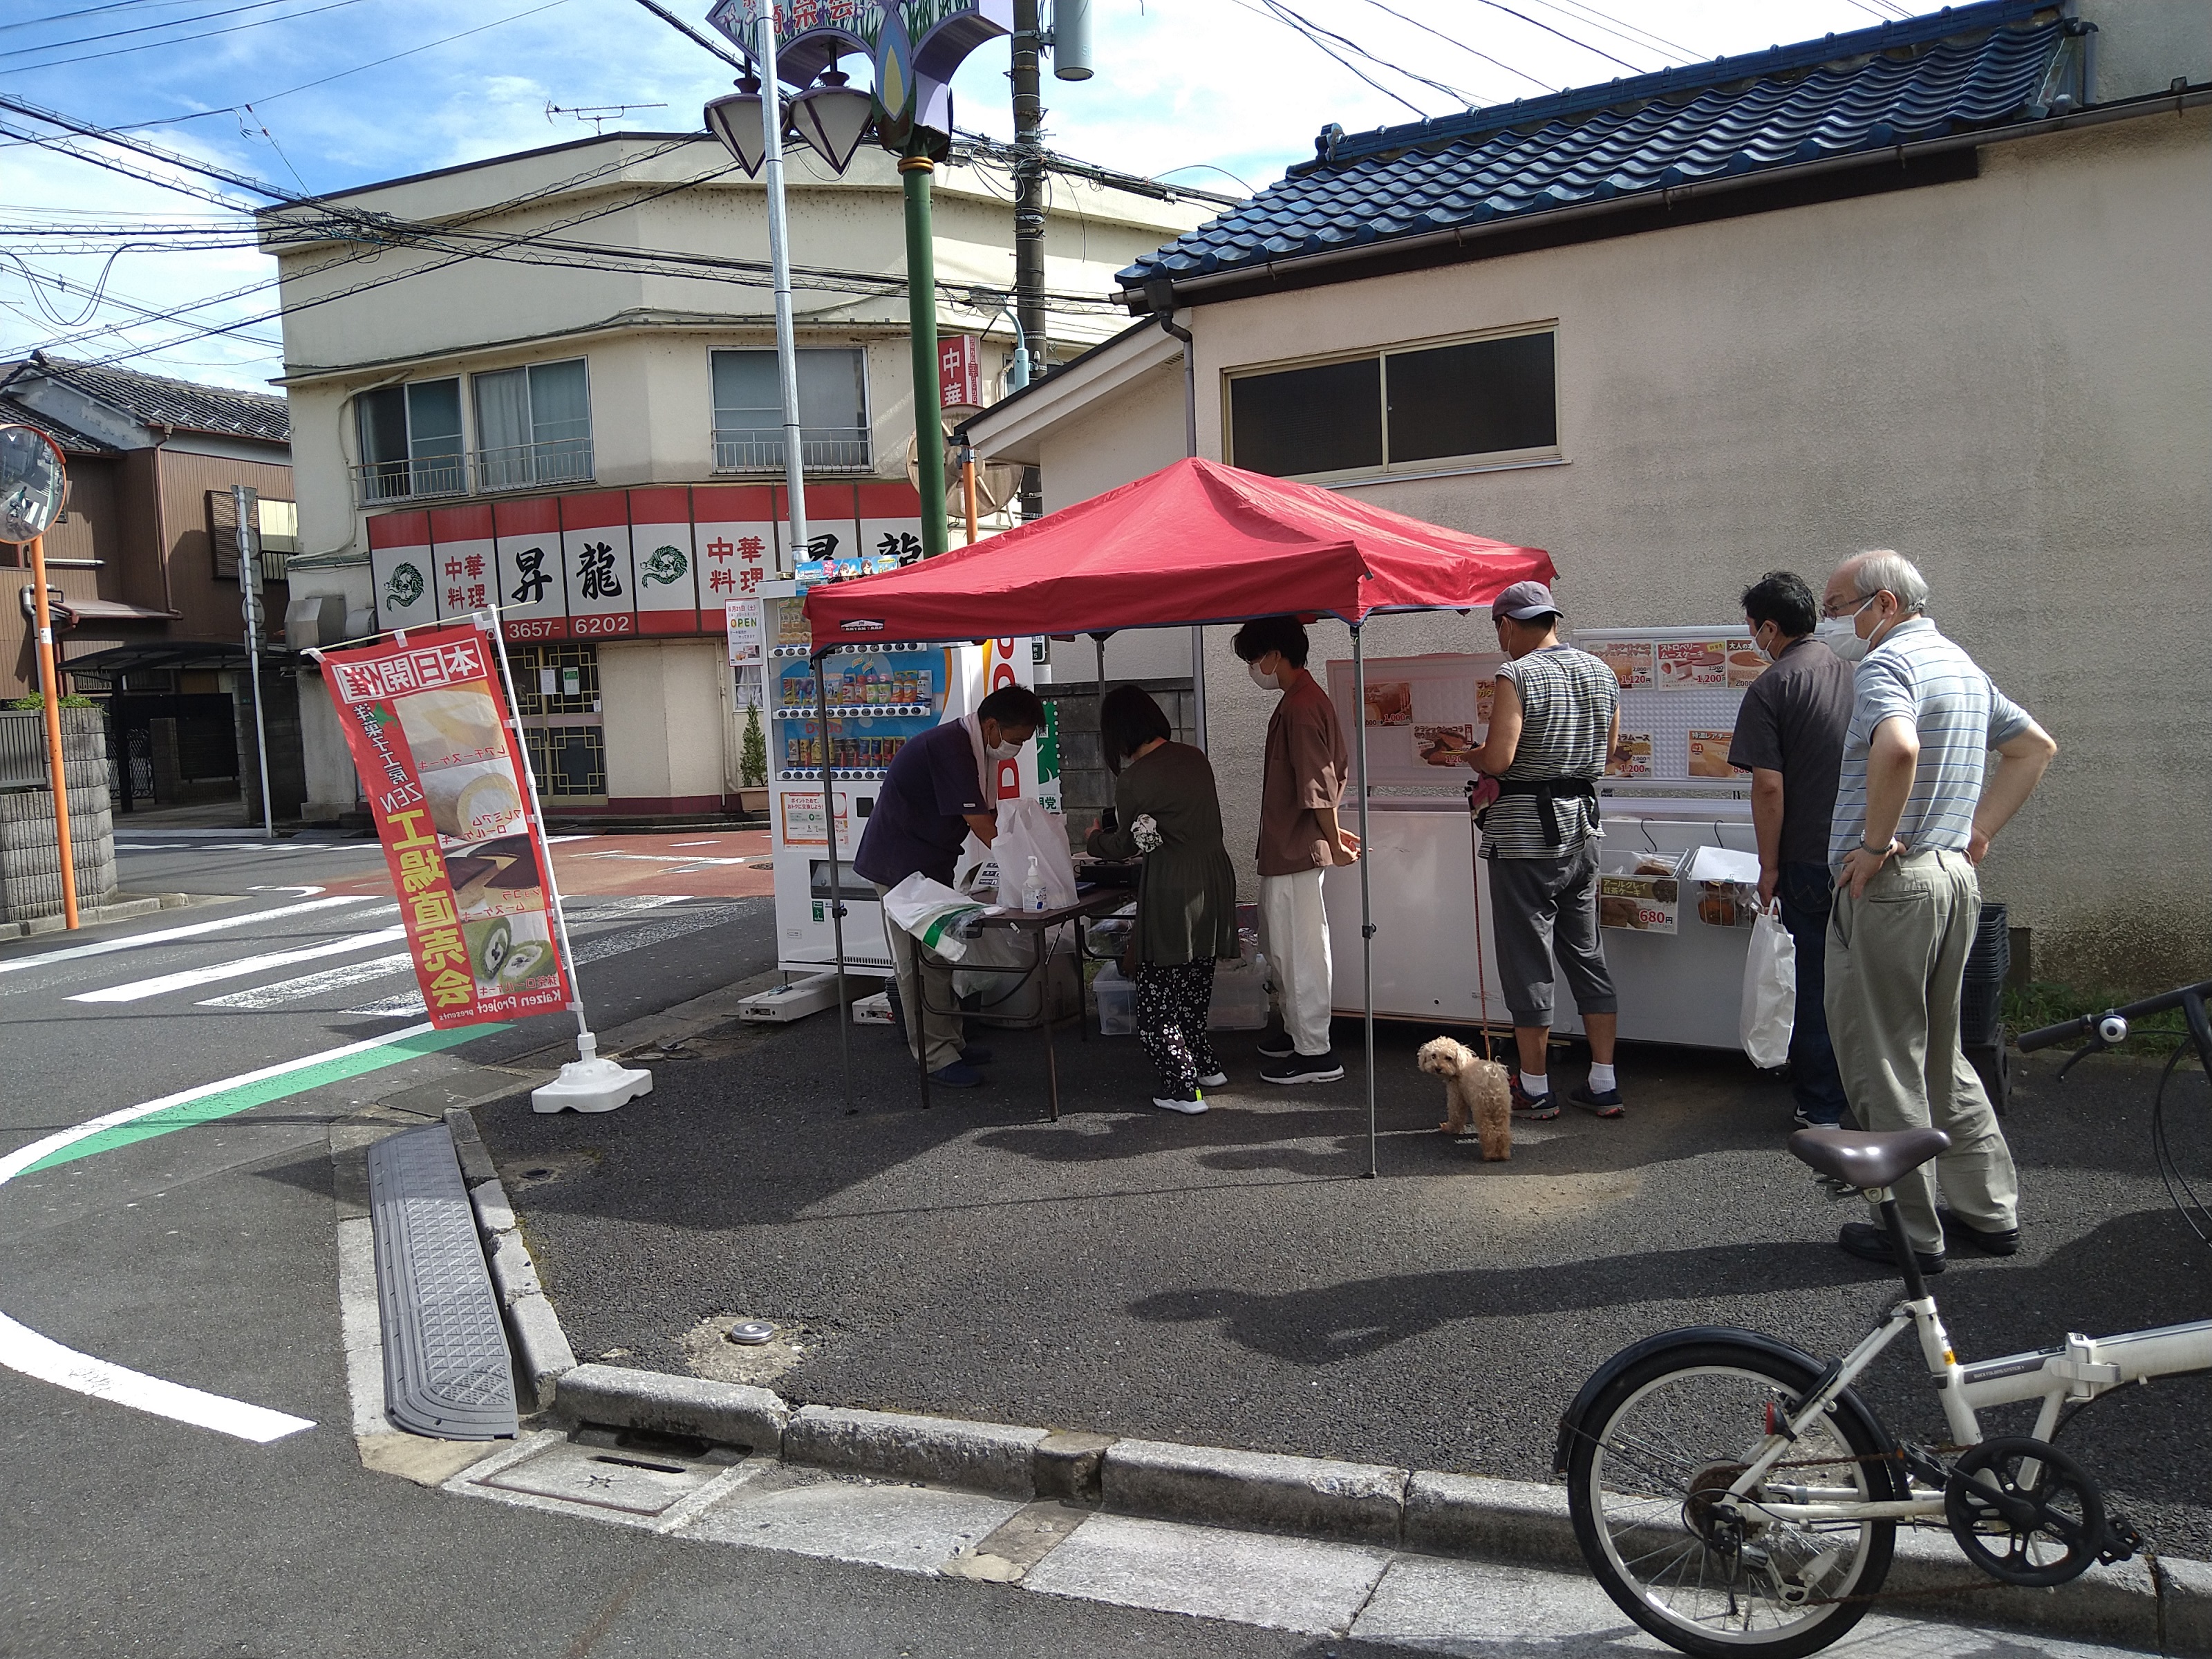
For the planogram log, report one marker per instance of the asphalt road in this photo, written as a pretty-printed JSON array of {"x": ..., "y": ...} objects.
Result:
[
  {"x": 1232, "y": 1280},
  {"x": 207, "y": 1256}
]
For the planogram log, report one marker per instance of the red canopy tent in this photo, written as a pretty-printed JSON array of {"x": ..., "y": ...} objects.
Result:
[{"x": 1193, "y": 543}]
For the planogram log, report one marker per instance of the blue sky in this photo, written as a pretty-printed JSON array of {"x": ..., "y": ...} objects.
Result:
[{"x": 325, "y": 94}]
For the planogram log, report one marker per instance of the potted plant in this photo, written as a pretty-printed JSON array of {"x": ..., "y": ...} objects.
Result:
[{"x": 752, "y": 764}]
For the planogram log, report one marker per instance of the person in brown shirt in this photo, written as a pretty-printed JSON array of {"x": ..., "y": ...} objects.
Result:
[{"x": 1303, "y": 783}]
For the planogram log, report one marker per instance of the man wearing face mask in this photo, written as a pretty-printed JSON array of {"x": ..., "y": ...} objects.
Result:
[
  {"x": 1301, "y": 785},
  {"x": 1915, "y": 813},
  {"x": 939, "y": 789},
  {"x": 1789, "y": 736}
]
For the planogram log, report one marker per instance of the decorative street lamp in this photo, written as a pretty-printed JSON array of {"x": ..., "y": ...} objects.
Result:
[{"x": 916, "y": 47}]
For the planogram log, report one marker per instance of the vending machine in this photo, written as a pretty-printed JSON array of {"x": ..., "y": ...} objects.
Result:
[{"x": 881, "y": 697}]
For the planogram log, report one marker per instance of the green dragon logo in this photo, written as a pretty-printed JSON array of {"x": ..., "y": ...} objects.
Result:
[
  {"x": 406, "y": 586},
  {"x": 667, "y": 566}
]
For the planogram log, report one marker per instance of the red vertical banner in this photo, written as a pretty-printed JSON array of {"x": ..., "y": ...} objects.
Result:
[{"x": 426, "y": 718}]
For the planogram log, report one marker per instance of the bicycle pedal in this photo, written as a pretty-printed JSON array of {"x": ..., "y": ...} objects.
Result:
[
  {"x": 2121, "y": 1540},
  {"x": 1832, "y": 1189}
]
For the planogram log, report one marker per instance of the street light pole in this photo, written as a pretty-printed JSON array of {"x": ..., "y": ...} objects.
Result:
[
  {"x": 779, "y": 256},
  {"x": 914, "y": 168}
]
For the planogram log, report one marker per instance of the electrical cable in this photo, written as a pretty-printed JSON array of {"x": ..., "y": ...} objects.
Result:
[
  {"x": 83, "y": 11},
  {"x": 205, "y": 34},
  {"x": 143, "y": 28},
  {"x": 1283, "y": 6},
  {"x": 1620, "y": 28},
  {"x": 1427, "y": 28},
  {"x": 1499, "y": 5},
  {"x": 2194, "y": 1212}
]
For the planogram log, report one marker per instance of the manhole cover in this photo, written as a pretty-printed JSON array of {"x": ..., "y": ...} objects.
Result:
[{"x": 633, "y": 1482}]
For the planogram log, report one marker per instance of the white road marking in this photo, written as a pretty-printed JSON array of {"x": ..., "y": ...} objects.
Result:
[
  {"x": 410, "y": 1003},
  {"x": 263, "y": 997},
  {"x": 139, "y": 990},
  {"x": 24, "y": 1350},
  {"x": 140, "y": 941}
]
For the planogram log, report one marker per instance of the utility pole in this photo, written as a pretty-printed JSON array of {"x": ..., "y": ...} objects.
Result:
[
  {"x": 246, "y": 503},
  {"x": 1029, "y": 212}
]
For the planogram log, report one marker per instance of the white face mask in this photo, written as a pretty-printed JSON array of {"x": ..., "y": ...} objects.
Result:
[
  {"x": 1003, "y": 751},
  {"x": 1841, "y": 635},
  {"x": 1265, "y": 682}
]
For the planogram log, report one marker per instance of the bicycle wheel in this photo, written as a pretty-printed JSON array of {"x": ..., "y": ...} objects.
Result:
[{"x": 1675, "y": 1430}]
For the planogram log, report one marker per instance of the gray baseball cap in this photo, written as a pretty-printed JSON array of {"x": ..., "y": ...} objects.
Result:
[{"x": 1524, "y": 601}]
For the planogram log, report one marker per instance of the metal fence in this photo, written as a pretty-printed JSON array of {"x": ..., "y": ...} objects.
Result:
[
  {"x": 23, "y": 748},
  {"x": 481, "y": 472},
  {"x": 821, "y": 449}
]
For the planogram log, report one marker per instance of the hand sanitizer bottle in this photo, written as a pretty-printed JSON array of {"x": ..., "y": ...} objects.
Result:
[{"x": 1033, "y": 888}]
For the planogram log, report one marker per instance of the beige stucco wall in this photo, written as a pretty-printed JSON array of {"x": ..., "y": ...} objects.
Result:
[
  {"x": 664, "y": 703},
  {"x": 2008, "y": 378}
]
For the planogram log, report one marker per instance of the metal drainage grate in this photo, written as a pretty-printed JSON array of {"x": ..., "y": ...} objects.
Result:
[{"x": 447, "y": 1371}]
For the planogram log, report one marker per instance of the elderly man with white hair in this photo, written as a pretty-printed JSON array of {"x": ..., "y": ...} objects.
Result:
[{"x": 1916, "y": 810}]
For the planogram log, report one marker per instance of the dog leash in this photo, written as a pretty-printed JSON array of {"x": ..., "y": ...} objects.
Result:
[{"x": 1474, "y": 858}]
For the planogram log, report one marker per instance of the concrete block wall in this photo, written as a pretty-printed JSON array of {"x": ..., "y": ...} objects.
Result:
[{"x": 30, "y": 854}]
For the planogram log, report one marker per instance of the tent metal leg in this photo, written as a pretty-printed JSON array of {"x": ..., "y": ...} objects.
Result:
[
  {"x": 1198, "y": 682},
  {"x": 837, "y": 891},
  {"x": 1366, "y": 899}
]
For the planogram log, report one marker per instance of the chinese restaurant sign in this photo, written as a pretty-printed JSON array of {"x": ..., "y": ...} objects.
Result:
[
  {"x": 427, "y": 722},
  {"x": 619, "y": 563}
]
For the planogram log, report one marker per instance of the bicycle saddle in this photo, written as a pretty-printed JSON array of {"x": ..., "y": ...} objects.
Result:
[{"x": 1864, "y": 1160}]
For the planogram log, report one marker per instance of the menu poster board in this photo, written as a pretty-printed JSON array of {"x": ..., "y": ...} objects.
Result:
[
  {"x": 747, "y": 630},
  {"x": 1389, "y": 702},
  {"x": 1630, "y": 660},
  {"x": 1709, "y": 754},
  {"x": 1632, "y": 756},
  {"x": 426, "y": 720},
  {"x": 1445, "y": 745}
]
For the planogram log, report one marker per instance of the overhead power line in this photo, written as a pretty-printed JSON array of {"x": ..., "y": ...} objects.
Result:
[{"x": 179, "y": 40}]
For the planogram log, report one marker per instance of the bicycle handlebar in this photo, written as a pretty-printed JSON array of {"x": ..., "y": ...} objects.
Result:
[{"x": 2086, "y": 1025}]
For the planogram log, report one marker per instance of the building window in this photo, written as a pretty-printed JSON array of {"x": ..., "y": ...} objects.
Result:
[
  {"x": 533, "y": 426},
  {"x": 1428, "y": 409},
  {"x": 833, "y": 412},
  {"x": 556, "y": 697},
  {"x": 411, "y": 441}
]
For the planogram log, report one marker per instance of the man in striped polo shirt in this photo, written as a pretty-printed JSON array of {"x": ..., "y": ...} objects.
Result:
[{"x": 1915, "y": 813}]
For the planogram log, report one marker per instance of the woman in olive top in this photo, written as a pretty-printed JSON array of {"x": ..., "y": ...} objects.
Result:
[{"x": 1165, "y": 810}]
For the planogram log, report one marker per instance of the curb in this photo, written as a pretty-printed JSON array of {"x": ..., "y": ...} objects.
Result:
[
  {"x": 542, "y": 1354},
  {"x": 90, "y": 916},
  {"x": 2159, "y": 1604}
]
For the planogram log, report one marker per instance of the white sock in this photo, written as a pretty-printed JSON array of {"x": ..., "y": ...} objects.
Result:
[
  {"x": 1602, "y": 1078},
  {"x": 1535, "y": 1084}
]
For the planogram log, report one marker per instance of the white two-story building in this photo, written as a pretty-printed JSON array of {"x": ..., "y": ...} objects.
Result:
[{"x": 548, "y": 381}]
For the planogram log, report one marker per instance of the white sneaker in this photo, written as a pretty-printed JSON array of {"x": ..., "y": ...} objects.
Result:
[
  {"x": 1214, "y": 1080},
  {"x": 1190, "y": 1108}
]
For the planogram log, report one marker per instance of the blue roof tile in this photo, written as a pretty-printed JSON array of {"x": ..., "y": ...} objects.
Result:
[{"x": 1963, "y": 68}]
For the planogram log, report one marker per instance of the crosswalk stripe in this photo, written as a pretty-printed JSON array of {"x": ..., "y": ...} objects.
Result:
[
  {"x": 139, "y": 990},
  {"x": 140, "y": 941},
  {"x": 409, "y": 1004},
  {"x": 262, "y": 997}
]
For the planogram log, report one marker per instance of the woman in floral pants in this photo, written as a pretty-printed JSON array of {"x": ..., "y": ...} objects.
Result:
[{"x": 1167, "y": 812}]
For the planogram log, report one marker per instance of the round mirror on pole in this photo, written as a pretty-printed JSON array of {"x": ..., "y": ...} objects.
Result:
[{"x": 33, "y": 483}]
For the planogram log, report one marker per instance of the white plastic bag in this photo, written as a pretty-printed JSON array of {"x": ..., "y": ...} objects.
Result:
[
  {"x": 1027, "y": 831},
  {"x": 933, "y": 913},
  {"x": 1770, "y": 992}
]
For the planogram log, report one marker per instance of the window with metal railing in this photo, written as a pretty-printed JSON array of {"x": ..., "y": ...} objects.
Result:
[
  {"x": 533, "y": 426},
  {"x": 411, "y": 442},
  {"x": 833, "y": 412}
]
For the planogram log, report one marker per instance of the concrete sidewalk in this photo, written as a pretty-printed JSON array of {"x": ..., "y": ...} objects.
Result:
[{"x": 1231, "y": 1280}]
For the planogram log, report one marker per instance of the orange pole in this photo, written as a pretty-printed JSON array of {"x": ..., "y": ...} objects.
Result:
[
  {"x": 50, "y": 683},
  {"x": 968, "y": 487}
]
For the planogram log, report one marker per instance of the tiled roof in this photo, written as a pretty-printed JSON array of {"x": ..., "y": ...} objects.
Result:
[
  {"x": 183, "y": 403},
  {"x": 1962, "y": 69},
  {"x": 72, "y": 441}
]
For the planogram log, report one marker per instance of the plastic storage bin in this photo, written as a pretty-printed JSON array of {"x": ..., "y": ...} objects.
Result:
[
  {"x": 1981, "y": 999},
  {"x": 1117, "y": 1002},
  {"x": 1240, "y": 995}
]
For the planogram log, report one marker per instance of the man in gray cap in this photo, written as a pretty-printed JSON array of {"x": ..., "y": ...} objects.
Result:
[{"x": 1553, "y": 725}]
